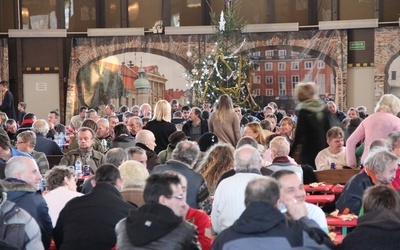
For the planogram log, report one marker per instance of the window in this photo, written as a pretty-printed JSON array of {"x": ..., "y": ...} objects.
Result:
[
  {"x": 308, "y": 78},
  {"x": 256, "y": 92},
  {"x": 257, "y": 79},
  {"x": 295, "y": 65},
  {"x": 256, "y": 66},
  {"x": 268, "y": 66},
  {"x": 321, "y": 84},
  {"x": 320, "y": 64},
  {"x": 282, "y": 53},
  {"x": 282, "y": 85},
  {"x": 308, "y": 64},
  {"x": 295, "y": 80},
  {"x": 269, "y": 92},
  {"x": 269, "y": 53},
  {"x": 257, "y": 54},
  {"x": 393, "y": 75},
  {"x": 281, "y": 66},
  {"x": 269, "y": 79}
]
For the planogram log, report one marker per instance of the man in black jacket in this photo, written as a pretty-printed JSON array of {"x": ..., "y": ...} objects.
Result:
[
  {"x": 196, "y": 126},
  {"x": 264, "y": 224},
  {"x": 158, "y": 224},
  {"x": 88, "y": 222}
]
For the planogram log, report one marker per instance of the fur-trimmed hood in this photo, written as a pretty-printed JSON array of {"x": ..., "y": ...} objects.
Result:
[{"x": 16, "y": 185}]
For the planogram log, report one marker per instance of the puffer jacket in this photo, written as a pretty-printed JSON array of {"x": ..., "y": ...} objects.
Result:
[
  {"x": 31, "y": 239},
  {"x": 32, "y": 201},
  {"x": 155, "y": 226}
]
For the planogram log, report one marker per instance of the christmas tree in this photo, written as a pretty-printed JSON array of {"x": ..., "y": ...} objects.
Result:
[{"x": 227, "y": 69}]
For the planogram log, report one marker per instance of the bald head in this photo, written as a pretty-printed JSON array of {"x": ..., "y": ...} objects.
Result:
[
  {"x": 147, "y": 138},
  {"x": 40, "y": 127},
  {"x": 247, "y": 158}
]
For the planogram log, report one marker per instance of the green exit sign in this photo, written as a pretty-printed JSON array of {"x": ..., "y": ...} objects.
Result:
[{"x": 357, "y": 45}]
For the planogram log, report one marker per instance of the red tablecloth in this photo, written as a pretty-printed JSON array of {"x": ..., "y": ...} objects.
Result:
[
  {"x": 320, "y": 198},
  {"x": 337, "y": 189},
  {"x": 326, "y": 188},
  {"x": 337, "y": 222}
]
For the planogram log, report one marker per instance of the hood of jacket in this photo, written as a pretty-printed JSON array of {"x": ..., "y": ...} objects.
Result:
[
  {"x": 383, "y": 219},
  {"x": 150, "y": 222},
  {"x": 312, "y": 105},
  {"x": 16, "y": 188},
  {"x": 124, "y": 138},
  {"x": 258, "y": 217}
]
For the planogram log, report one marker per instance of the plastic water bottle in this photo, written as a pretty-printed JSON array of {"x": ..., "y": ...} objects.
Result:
[
  {"x": 57, "y": 139},
  {"x": 62, "y": 139},
  {"x": 104, "y": 145},
  {"x": 78, "y": 168}
]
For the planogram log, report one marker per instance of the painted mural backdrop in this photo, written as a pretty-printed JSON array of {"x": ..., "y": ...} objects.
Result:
[
  {"x": 131, "y": 70},
  {"x": 387, "y": 61},
  {"x": 4, "y": 60}
]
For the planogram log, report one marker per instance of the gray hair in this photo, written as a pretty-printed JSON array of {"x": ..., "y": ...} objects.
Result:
[
  {"x": 28, "y": 136},
  {"x": 246, "y": 158},
  {"x": 378, "y": 158},
  {"x": 40, "y": 127},
  {"x": 393, "y": 138},
  {"x": 116, "y": 156},
  {"x": 134, "y": 150},
  {"x": 103, "y": 121},
  {"x": 17, "y": 165},
  {"x": 186, "y": 152}
]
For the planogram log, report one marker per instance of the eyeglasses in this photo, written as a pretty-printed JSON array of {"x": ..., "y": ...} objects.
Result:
[{"x": 178, "y": 197}]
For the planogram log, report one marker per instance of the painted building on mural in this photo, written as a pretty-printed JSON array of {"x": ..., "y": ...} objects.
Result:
[{"x": 278, "y": 71}]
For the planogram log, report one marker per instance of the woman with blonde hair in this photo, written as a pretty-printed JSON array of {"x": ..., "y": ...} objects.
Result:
[
  {"x": 224, "y": 122},
  {"x": 254, "y": 130},
  {"x": 378, "y": 125},
  {"x": 161, "y": 125},
  {"x": 3, "y": 119},
  {"x": 134, "y": 175},
  {"x": 217, "y": 160}
]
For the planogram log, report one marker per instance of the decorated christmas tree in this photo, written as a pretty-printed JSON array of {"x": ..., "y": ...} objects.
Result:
[{"x": 227, "y": 69}]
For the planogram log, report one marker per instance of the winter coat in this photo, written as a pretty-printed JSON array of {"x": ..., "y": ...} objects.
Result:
[
  {"x": 88, "y": 222},
  {"x": 161, "y": 130},
  {"x": 379, "y": 229},
  {"x": 262, "y": 226},
  {"x": 123, "y": 141},
  {"x": 13, "y": 219},
  {"x": 94, "y": 162},
  {"x": 32, "y": 201},
  {"x": 155, "y": 226}
]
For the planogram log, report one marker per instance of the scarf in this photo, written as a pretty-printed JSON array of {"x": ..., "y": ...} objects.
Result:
[{"x": 27, "y": 121}]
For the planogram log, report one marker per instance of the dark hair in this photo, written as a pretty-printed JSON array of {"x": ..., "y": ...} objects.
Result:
[
  {"x": 10, "y": 122},
  {"x": 159, "y": 184},
  {"x": 28, "y": 116},
  {"x": 263, "y": 189},
  {"x": 56, "y": 114},
  {"x": 197, "y": 112},
  {"x": 120, "y": 129},
  {"x": 279, "y": 174},
  {"x": 81, "y": 108},
  {"x": 122, "y": 109},
  {"x": 89, "y": 123},
  {"x": 107, "y": 173},
  {"x": 112, "y": 106},
  {"x": 4, "y": 140},
  {"x": 4, "y": 83},
  {"x": 84, "y": 129},
  {"x": 186, "y": 107},
  {"x": 380, "y": 196},
  {"x": 205, "y": 114},
  {"x": 22, "y": 104}
]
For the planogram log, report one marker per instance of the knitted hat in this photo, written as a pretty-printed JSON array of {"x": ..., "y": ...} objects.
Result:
[
  {"x": 177, "y": 137},
  {"x": 206, "y": 141}
]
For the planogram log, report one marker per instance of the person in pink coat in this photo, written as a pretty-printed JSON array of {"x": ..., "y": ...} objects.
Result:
[{"x": 377, "y": 125}]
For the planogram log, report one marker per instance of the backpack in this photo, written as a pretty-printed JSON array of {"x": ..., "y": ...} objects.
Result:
[{"x": 12, "y": 235}]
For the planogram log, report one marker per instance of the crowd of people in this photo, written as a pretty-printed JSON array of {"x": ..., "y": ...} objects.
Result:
[{"x": 212, "y": 177}]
